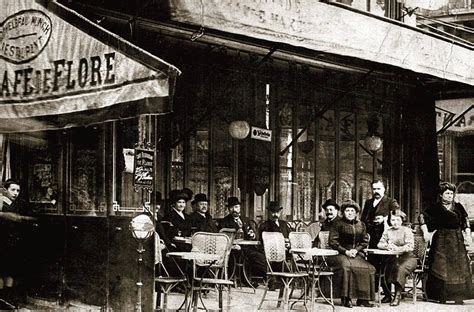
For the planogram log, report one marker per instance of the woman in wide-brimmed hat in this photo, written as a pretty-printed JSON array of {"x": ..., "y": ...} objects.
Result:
[{"x": 354, "y": 277}]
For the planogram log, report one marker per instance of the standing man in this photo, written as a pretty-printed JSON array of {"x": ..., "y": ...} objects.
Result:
[
  {"x": 200, "y": 219},
  {"x": 375, "y": 216},
  {"x": 10, "y": 240},
  {"x": 274, "y": 224}
]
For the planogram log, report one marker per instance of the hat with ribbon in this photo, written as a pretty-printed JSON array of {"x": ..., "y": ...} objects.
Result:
[{"x": 176, "y": 195}]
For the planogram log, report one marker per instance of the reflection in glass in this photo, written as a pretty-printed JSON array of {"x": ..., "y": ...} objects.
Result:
[{"x": 326, "y": 157}]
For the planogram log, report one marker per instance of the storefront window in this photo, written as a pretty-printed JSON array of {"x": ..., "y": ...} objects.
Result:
[
  {"x": 44, "y": 155},
  {"x": 286, "y": 173},
  {"x": 223, "y": 165},
  {"x": 347, "y": 156},
  {"x": 199, "y": 162},
  {"x": 177, "y": 167},
  {"x": 86, "y": 172},
  {"x": 326, "y": 176}
]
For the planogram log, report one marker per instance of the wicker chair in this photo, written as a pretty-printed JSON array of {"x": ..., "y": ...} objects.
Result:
[
  {"x": 215, "y": 272},
  {"x": 275, "y": 253},
  {"x": 313, "y": 228},
  {"x": 164, "y": 281},
  {"x": 303, "y": 240},
  {"x": 324, "y": 240},
  {"x": 419, "y": 275}
]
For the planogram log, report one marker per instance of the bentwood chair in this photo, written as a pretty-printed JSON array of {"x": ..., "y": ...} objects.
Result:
[
  {"x": 212, "y": 273},
  {"x": 278, "y": 268},
  {"x": 324, "y": 240},
  {"x": 164, "y": 281},
  {"x": 418, "y": 276}
]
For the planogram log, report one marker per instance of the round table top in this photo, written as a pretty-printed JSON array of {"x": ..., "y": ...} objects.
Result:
[
  {"x": 376, "y": 251},
  {"x": 192, "y": 255},
  {"x": 180, "y": 239},
  {"x": 315, "y": 252},
  {"x": 470, "y": 249}
]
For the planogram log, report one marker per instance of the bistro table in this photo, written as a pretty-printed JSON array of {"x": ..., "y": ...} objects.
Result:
[
  {"x": 386, "y": 254},
  {"x": 191, "y": 256},
  {"x": 314, "y": 253},
  {"x": 240, "y": 261}
]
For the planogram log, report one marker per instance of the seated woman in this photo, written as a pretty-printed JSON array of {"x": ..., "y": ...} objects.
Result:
[
  {"x": 354, "y": 277},
  {"x": 399, "y": 238}
]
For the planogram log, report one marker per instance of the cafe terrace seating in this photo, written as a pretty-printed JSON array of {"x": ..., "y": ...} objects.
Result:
[
  {"x": 214, "y": 272},
  {"x": 164, "y": 281},
  {"x": 279, "y": 270},
  {"x": 419, "y": 275}
]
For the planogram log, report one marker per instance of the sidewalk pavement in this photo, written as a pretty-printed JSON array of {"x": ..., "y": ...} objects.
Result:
[{"x": 244, "y": 300}]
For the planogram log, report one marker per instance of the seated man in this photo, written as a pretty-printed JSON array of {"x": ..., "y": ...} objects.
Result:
[
  {"x": 201, "y": 219},
  {"x": 331, "y": 209},
  {"x": 242, "y": 225},
  {"x": 274, "y": 223}
]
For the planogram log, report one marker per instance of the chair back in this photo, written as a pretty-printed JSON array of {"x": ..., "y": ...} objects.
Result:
[
  {"x": 230, "y": 232},
  {"x": 420, "y": 250},
  {"x": 300, "y": 240},
  {"x": 324, "y": 240},
  {"x": 214, "y": 244},
  {"x": 274, "y": 246},
  {"x": 312, "y": 228}
]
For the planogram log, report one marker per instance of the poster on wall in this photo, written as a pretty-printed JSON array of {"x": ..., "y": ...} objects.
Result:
[{"x": 143, "y": 169}]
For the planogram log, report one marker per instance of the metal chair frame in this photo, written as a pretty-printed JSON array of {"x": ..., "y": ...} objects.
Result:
[
  {"x": 419, "y": 275},
  {"x": 275, "y": 253}
]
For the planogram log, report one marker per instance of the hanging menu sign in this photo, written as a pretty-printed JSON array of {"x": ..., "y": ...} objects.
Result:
[{"x": 143, "y": 169}]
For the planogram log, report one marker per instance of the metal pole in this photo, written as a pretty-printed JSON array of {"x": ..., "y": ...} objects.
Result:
[{"x": 140, "y": 251}]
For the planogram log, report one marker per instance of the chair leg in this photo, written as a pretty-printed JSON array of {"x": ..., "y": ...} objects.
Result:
[
  {"x": 415, "y": 283},
  {"x": 264, "y": 294},
  {"x": 165, "y": 301},
  {"x": 220, "y": 298},
  {"x": 281, "y": 293}
]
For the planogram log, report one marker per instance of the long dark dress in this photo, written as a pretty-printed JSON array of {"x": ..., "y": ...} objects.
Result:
[
  {"x": 449, "y": 277},
  {"x": 399, "y": 267},
  {"x": 353, "y": 277}
]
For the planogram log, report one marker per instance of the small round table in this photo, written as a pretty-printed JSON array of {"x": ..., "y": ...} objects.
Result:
[{"x": 383, "y": 266}]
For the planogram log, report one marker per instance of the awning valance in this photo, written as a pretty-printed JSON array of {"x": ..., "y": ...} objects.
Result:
[
  {"x": 328, "y": 28},
  {"x": 60, "y": 70},
  {"x": 455, "y": 116}
]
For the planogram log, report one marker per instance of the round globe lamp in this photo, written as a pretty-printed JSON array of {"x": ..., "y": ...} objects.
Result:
[
  {"x": 239, "y": 129},
  {"x": 142, "y": 229},
  {"x": 373, "y": 143}
]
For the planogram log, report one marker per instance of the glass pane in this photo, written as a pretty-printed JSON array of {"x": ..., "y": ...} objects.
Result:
[
  {"x": 199, "y": 162},
  {"x": 127, "y": 200},
  {"x": 286, "y": 175},
  {"x": 347, "y": 156},
  {"x": 223, "y": 165},
  {"x": 177, "y": 167},
  {"x": 86, "y": 173},
  {"x": 44, "y": 155},
  {"x": 326, "y": 157},
  {"x": 365, "y": 166}
]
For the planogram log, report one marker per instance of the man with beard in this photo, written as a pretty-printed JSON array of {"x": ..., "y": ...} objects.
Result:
[
  {"x": 274, "y": 224},
  {"x": 201, "y": 219},
  {"x": 242, "y": 225},
  {"x": 375, "y": 216}
]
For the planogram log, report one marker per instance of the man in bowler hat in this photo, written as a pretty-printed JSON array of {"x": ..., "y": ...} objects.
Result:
[
  {"x": 274, "y": 223},
  {"x": 178, "y": 221},
  {"x": 331, "y": 208},
  {"x": 200, "y": 219}
]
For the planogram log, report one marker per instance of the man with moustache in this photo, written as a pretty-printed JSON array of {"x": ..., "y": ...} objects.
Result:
[
  {"x": 375, "y": 216},
  {"x": 241, "y": 224},
  {"x": 274, "y": 224},
  {"x": 201, "y": 219},
  {"x": 331, "y": 209}
]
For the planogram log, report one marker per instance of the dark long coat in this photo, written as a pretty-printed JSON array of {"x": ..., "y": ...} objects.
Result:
[
  {"x": 449, "y": 276},
  {"x": 383, "y": 208},
  {"x": 271, "y": 226},
  {"x": 353, "y": 277},
  {"x": 200, "y": 223}
]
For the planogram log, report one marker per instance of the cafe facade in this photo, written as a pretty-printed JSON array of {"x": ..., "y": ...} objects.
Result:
[{"x": 275, "y": 102}]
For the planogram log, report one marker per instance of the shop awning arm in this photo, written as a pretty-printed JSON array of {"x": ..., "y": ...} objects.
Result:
[
  {"x": 452, "y": 122},
  {"x": 323, "y": 110}
]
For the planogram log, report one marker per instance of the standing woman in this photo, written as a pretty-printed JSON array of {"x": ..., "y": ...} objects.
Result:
[
  {"x": 398, "y": 238},
  {"x": 449, "y": 276},
  {"x": 354, "y": 277}
]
